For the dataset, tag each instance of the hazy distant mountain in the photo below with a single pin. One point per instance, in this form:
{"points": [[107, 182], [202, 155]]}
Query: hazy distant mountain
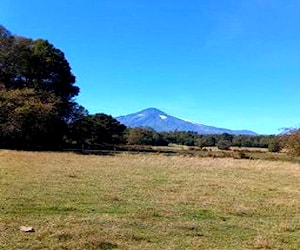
{"points": [[161, 121]]}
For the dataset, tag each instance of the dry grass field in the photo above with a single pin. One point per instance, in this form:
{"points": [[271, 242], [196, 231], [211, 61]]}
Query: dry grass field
{"points": [[147, 202]]}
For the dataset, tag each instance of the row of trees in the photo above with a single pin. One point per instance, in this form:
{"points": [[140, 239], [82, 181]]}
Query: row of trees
{"points": [[143, 136], [38, 110]]}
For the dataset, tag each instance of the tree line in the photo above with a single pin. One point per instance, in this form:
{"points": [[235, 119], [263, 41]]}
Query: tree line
{"points": [[146, 136], [38, 109]]}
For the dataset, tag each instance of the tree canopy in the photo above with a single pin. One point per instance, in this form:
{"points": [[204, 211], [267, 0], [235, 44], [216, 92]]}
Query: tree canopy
{"points": [[36, 64], [91, 131], [29, 119], [36, 92], [290, 141]]}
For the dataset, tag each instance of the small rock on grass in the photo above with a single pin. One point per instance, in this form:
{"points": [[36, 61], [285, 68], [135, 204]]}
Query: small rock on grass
{"points": [[27, 229]]}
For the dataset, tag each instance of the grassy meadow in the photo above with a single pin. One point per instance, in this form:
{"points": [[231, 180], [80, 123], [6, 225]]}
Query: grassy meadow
{"points": [[147, 201]]}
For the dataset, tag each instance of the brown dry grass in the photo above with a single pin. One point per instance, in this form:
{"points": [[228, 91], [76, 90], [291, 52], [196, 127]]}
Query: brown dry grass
{"points": [[147, 202]]}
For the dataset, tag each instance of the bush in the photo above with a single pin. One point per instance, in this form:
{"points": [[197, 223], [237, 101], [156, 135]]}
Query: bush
{"points": [[291, 141], [274, 146], [224, 144]]}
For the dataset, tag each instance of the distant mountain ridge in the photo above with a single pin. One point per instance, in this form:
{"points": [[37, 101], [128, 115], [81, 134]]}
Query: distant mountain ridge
{"points": [[162, 122]]}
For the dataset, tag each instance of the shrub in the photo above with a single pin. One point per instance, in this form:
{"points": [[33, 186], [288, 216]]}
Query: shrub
{"points": [[291, 141], [224, 144], [274, 146]]}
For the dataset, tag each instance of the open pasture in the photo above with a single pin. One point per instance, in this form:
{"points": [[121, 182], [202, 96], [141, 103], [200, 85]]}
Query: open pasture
{"points": [[148, 201]]}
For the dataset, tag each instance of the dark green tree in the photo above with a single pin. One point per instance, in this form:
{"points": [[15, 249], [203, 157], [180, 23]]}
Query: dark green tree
{"points": [[39, 77], [37, 64], [224, 144], [145, 136], [206, 141], [226, 137], [29, 120], [92, 131]]}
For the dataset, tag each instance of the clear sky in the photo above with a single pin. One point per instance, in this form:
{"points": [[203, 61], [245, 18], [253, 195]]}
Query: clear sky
{"points": [[226, 63]]}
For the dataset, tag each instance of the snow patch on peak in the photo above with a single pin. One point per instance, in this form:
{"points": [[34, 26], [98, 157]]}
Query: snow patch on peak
{"points": [[163, 117], [190, 121], [140, 115], [195, 123]]}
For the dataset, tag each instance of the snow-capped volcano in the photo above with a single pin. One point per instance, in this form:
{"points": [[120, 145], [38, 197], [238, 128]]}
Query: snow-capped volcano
{"points": [[160, 121]]}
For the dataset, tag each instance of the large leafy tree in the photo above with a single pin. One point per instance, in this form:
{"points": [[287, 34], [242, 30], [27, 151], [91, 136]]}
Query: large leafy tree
{"points": [[27, 63], [92, 131], [37, 91], [29, 119]]}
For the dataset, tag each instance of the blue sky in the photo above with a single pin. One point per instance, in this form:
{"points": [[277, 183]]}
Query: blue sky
{"points": [[227, 63]]}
